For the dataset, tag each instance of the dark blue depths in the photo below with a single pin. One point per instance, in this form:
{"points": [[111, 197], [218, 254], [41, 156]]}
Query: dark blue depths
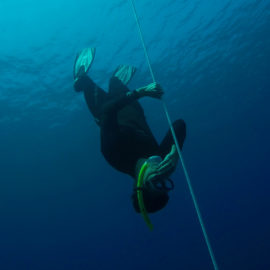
{"points": [[62, 206]]}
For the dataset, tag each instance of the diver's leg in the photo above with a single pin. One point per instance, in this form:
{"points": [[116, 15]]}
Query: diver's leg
{"points": [[95, 97], [120, 78], [117, 87], [180, 132], [82, 64]]}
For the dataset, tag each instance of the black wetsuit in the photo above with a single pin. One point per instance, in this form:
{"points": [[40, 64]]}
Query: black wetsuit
{"points": [[124, 132]]}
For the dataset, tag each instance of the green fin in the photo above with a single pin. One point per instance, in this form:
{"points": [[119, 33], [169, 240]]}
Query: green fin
{"points": [[124, 73], [83, 61]]}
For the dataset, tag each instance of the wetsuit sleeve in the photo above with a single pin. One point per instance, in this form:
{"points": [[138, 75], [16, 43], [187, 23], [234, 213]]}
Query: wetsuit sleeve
{"points": [[119, 102], [180, 132]]}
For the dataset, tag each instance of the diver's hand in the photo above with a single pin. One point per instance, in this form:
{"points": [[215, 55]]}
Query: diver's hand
{"points": [[163, 169], [153, 90], [168, 165]]}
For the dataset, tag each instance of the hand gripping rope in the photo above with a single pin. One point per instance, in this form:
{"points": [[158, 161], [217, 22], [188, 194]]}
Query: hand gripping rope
{"points": [[211, 253]]}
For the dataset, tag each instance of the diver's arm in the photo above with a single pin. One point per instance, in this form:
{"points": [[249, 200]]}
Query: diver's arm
{"points": [[153, 90]]}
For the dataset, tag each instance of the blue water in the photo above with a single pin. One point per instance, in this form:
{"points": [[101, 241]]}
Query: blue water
{"points": [[62, 206]]}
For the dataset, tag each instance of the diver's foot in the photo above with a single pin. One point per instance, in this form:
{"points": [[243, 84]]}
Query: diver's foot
{"points": [[82, 64], [79, 82], [124, 73]]}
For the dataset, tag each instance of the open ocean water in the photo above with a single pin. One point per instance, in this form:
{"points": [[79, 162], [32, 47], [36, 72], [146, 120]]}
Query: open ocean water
{"points": [[62, 206]]}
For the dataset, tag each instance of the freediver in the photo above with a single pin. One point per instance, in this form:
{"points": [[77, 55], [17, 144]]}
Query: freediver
{"points": [[127, 143]]}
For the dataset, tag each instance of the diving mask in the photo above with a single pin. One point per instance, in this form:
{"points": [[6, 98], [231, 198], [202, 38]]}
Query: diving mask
{"points": [[155, 181], [151, 181]]}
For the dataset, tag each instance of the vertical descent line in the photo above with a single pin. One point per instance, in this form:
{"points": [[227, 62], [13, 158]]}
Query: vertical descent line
{"points": [[211, 253]]}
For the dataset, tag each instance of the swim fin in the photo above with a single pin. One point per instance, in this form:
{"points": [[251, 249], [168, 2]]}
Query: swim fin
{"points": [[124, 73], [83, 62]]}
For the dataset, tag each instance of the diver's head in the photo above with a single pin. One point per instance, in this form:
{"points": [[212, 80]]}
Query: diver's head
{"points": [[153, 200], [152, 187]]}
